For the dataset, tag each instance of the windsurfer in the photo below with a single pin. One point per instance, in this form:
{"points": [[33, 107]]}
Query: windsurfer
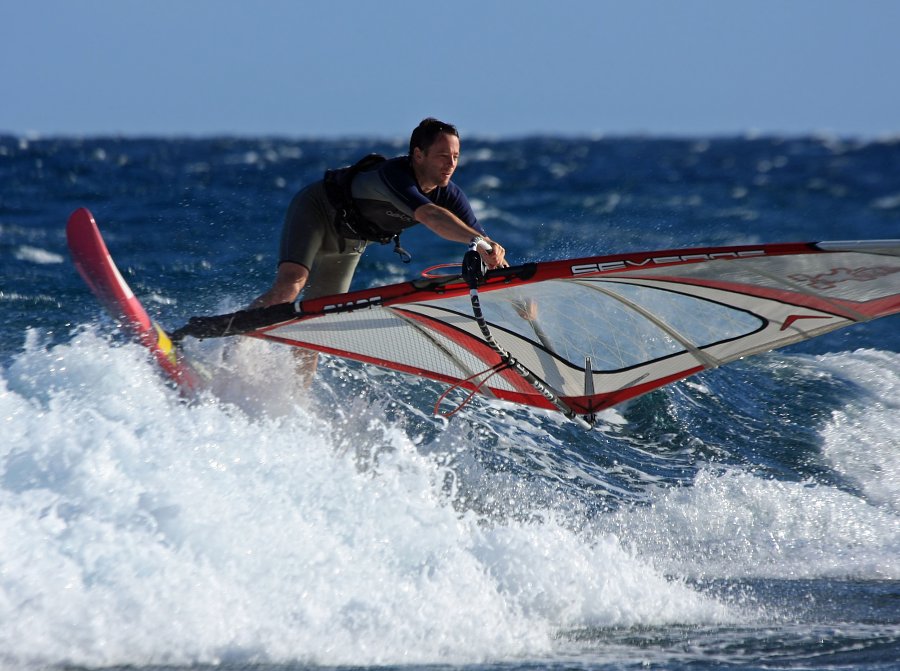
{"points": [[319, 251]]}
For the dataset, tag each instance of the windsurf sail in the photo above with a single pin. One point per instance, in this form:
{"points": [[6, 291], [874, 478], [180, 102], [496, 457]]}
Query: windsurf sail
{"points": [[594, 331]]}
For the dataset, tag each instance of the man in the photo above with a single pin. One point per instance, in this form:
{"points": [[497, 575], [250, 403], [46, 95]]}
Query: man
{"points": [[325, 232]]}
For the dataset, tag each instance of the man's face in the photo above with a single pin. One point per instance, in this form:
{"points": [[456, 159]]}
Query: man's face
{"points": [[437, 164]]}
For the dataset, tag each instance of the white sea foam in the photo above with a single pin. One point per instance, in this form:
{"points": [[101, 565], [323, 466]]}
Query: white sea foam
{"points": [[487, 182], [37, 255], [890, 202], [735, 524], [862, 440], [136, 528], [732, 524]]}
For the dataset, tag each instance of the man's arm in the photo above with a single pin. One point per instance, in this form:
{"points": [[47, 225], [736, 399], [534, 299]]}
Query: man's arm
{"points": [[450, 227], [289, 282]]}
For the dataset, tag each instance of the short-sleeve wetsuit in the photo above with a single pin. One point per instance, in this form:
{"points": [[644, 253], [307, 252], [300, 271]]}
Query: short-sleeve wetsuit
{"points": [[387, 196]]}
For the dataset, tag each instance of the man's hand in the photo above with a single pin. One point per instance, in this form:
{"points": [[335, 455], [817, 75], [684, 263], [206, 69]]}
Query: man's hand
{"points": [[496, 258]]}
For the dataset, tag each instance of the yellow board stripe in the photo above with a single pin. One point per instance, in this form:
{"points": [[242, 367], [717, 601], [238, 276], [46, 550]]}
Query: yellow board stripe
{"points": [[165, 344]]}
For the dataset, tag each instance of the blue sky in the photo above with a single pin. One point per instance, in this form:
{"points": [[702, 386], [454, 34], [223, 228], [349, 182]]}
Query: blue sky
{"points": [[495, 68]]}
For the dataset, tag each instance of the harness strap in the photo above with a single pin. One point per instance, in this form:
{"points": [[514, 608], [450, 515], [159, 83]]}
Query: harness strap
{"points": [[405, 256]]}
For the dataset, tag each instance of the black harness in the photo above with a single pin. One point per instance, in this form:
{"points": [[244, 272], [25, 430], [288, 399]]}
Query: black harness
{"points": [[348, 220]]}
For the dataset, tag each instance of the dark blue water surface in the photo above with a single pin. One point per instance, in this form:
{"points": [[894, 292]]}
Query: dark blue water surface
{"points": [[746, 518]]}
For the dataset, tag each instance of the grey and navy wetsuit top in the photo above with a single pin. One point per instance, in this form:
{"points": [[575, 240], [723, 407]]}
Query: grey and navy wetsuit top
{"points": [[389, 195]]}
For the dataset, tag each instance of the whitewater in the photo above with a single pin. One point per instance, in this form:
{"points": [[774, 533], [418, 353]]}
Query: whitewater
{"points": [[137, 526]]}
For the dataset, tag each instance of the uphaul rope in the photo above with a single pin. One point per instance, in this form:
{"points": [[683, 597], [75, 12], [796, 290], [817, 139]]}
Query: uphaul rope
{"points": [[473, 272]]}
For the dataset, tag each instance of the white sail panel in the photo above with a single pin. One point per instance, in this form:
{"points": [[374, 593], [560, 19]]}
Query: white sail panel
{"points": [[850, 276], [384, 336]]}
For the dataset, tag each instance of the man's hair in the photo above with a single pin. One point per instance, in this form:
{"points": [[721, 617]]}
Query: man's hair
{"points": [[424, 135]]}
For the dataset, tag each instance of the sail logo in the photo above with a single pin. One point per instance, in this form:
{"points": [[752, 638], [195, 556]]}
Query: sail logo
{"points": [[836, 276], [626, 264]]}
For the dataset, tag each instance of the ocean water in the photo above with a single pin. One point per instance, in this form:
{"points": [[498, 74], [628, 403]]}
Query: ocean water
{"points": [[748, 517]]}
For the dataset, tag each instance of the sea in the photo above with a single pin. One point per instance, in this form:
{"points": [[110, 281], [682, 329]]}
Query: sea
{"points": [[745, 518]]}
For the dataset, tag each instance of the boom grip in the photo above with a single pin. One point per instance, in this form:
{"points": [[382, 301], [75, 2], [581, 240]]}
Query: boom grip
{"points": [[235, 323]]}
